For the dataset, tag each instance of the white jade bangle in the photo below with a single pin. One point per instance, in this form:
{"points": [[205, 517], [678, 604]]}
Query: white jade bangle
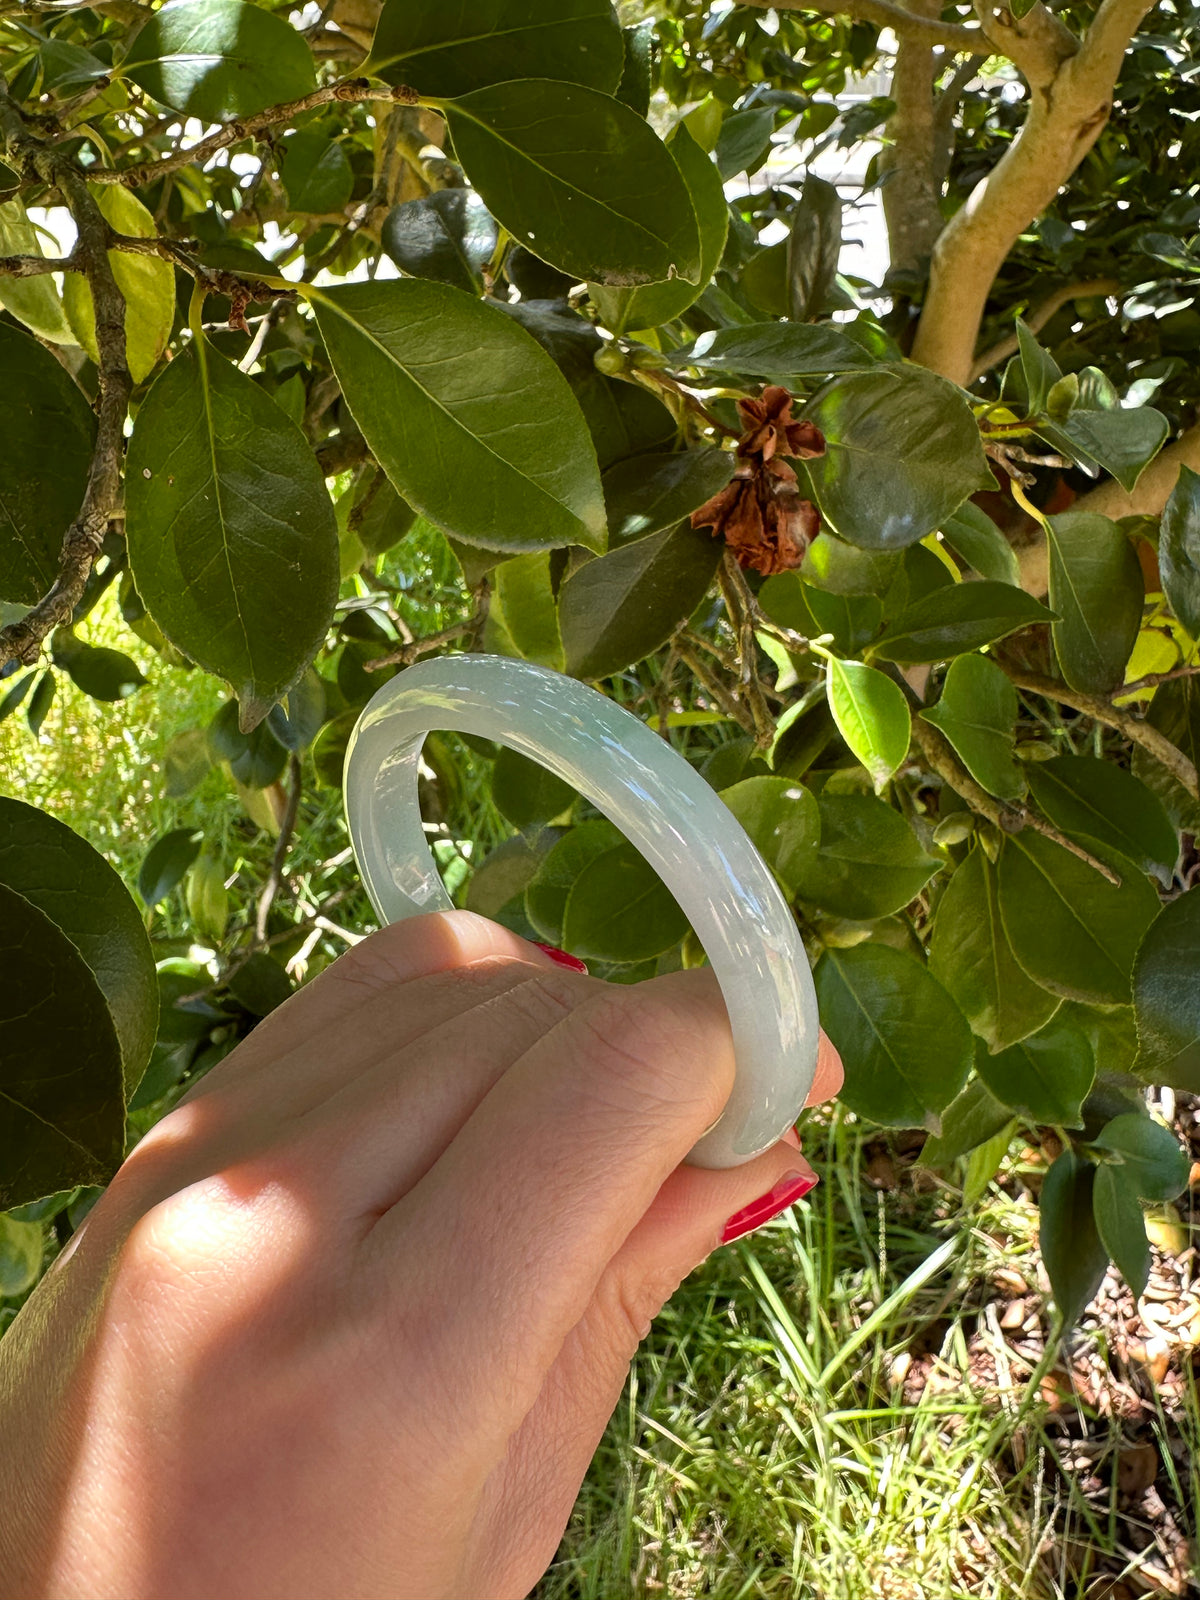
{"points": [[659, 802]]}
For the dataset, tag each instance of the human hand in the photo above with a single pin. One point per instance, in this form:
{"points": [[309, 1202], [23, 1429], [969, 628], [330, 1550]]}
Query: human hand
{"points": [[351, 1319]]}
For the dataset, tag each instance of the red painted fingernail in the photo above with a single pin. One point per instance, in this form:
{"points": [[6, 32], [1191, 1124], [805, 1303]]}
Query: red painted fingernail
{"points": [[561, 956], [791, 1187]]}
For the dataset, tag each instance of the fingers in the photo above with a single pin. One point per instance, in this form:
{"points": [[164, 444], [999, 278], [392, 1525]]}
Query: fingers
{"points": [[828, 1079]]}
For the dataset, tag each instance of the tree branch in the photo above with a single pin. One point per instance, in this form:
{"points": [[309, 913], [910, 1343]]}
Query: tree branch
{"points": [[286, 828], [37, 266], [1085, 289], [909, 191], [22, 640], [352, 90], [885, 14]]}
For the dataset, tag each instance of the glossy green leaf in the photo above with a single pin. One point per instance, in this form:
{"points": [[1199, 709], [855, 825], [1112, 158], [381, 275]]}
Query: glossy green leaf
{"points": [[259, 984], [525, 793], [1179, 550], [219, 59], [1119, 441], [870, 862], [1072, 931], [34, 301], [386, 519], [256, 759], [547, 891], [298, 717], [62, 1112], [1122, 1226], [652, 304], [646, 494], [881, 1007], [977, 539], [22, 1245], [165, 863], [100, 672], [902, 454], [971, 955], [617, 609], [744, 140], [851, 620], [499, 881], [960, 617], [1072, 1251], [619, 910], [449, 47], [49, 431], [1166, 996], [977, 712], [872, 716], [146, 282], [1047, 1075], [60, 874], [1086, 797], [448, 236], [635, 85], [776, 352], [207, 897], [1175, 712], [838, 568], [186, 761], [468, 417], [232, 537], [1096, 586], [781, 818], [1150, 1157], [40, 702], [1040, 370], [813, 248], [523, 598], [14, 697], [579, 180], [315, 172], [973, 1118]]}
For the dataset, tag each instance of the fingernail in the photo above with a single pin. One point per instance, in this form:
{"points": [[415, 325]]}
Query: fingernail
{"points": [[791, 1187], [561, 956], [791, 1137]]}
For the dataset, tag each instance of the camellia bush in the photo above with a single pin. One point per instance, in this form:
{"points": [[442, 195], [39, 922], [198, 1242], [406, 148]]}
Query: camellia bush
{"points": [[555, 302]]}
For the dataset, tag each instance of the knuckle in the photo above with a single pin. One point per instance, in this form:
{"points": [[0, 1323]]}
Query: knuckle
{"points": [[631, 1303], [648, 1046]]}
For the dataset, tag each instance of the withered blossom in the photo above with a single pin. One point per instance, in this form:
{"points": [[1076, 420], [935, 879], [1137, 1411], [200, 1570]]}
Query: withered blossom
{"points": [[761, 514]]}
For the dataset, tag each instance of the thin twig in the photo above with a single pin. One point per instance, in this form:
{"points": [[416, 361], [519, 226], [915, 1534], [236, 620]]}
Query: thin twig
{"points": [[286, 828], [1153, 679], [734, 590], [37, 266], [714, 688]]}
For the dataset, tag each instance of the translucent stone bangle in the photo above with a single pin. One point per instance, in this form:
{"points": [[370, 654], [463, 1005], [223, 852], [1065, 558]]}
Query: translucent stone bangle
{"points": [[663, 807]]}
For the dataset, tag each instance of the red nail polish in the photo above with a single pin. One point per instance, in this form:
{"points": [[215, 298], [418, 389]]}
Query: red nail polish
{"points": [[561, 956], [791, 1187]]}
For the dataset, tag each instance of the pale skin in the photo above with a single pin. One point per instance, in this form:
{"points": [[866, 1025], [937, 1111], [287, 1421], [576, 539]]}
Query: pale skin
{"points": [[351, 1320]]}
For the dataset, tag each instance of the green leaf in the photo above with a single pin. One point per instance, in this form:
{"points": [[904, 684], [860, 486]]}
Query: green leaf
{"points": [[957, 618], [655, 303], [1175, 712], [468, 418], [902, 454], [298, 717], [256, 759], [744, 140], [977, 712], [1096, 586], [881, 1007], [166, 862], [1040, 369], [1046, 1076], [1149, 1156], [1072, 1251], [49, 432], [448, 236], [207, 897], [449, 49], [10, 182], [259, 984], [525, 793], [579, 180], [983, 1165], [56, 871], [315, 172], [1179, 550], [386, 520], [872, 717], [62, 1113], [1086, 797], [329, 749], [619, 608], [523, 597], [232, 537], [852, 620], [776, 351], [973, 1118], [146, 282], [547, 891], [102, 673], [219, 59], [647, 493], [40, 702], [34, 301], [1122, 1227], [1071, 930], [977, 539], [500, 880], [22, 1245], [781, 818], [186, 762], [634, 87], [971, 955], [839, 568], [870, 862], [1120, 441], [619, 910], [1166, 996], [15, 697], [814, 246]]}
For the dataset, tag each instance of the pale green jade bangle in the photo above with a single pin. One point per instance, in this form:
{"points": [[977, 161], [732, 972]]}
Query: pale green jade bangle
{"points": [[691, 839]]}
